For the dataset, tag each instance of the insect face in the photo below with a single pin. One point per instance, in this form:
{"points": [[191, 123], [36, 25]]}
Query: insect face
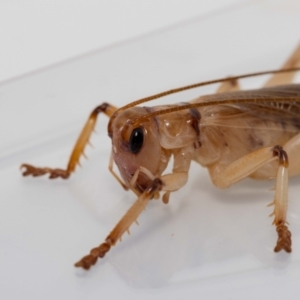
{"points": [[135, 146]]}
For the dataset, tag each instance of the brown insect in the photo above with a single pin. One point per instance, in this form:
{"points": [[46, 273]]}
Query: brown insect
{"points": [[234, 134]]}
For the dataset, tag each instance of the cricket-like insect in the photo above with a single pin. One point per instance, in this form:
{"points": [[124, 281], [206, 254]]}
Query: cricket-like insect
{"points": [[235, 134]]}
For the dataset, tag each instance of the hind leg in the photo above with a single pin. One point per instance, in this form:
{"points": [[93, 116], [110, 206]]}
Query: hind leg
{"points": [[276, 79], [285, 78]]}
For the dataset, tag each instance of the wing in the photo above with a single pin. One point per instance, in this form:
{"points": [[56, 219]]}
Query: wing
{"points": [[267, 106]]}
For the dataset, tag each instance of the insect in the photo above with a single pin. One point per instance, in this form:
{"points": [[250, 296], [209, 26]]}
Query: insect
{"points": [[234, 134]]}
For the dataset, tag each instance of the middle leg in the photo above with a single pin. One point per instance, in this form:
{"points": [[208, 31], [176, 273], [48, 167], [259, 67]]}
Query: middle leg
{"points": [[225, 176]]}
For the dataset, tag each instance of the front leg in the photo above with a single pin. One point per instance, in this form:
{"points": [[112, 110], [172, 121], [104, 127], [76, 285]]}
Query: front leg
{"points": [[168, 183], [245, 166], [131, 216], [78, 149]]}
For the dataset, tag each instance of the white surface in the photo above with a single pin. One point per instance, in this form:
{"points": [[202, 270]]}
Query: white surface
{"points": [[35, 34], [206, 243]]}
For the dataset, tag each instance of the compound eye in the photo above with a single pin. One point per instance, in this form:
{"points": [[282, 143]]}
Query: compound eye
{"points": [[136, 140]]}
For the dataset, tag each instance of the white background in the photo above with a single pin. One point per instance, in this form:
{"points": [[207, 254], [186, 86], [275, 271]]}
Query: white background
{"points": [[35, 34], [207, 243]]}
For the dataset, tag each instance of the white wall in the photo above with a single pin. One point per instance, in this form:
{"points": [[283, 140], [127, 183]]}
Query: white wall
{"points": [[35, 34]]}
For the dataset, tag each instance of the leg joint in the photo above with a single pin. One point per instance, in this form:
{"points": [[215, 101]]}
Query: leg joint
{"points": [[101, 108], [282, 156], [155, 186]]}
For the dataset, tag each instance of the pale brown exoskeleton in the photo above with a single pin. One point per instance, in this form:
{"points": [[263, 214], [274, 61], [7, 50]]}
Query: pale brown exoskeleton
{"points": [[234, 134]]}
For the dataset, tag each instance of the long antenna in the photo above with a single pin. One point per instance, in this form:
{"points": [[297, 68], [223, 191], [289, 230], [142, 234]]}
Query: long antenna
{"points": [[212, 103], [192, 86]]}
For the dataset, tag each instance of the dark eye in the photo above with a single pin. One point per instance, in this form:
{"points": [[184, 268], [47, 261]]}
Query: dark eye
{"points": [[136, 140]]}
